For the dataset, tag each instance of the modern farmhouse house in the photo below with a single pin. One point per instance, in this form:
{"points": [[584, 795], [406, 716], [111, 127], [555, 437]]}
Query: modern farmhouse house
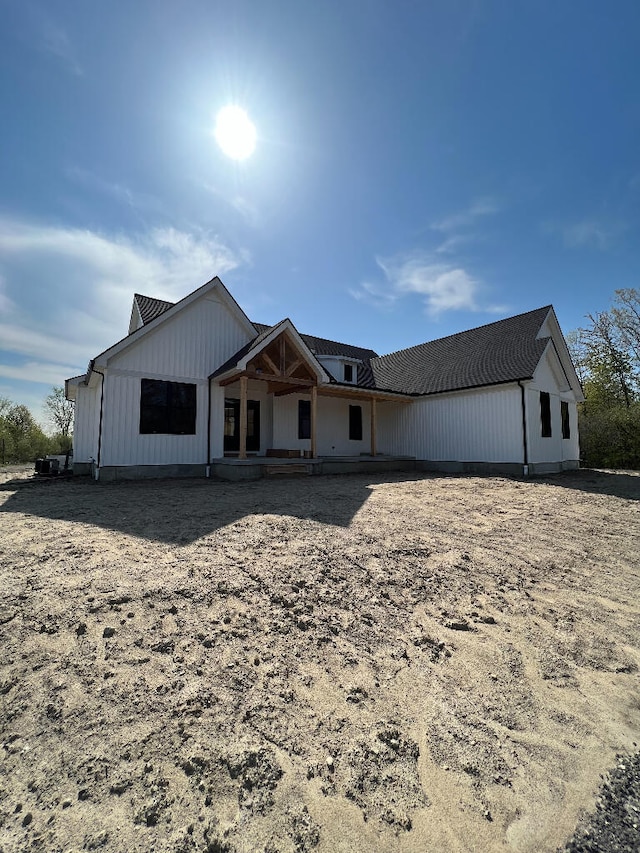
{"points": [[196, 388]]}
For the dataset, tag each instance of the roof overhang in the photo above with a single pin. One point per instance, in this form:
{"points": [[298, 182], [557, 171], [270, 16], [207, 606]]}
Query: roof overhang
{"points": [[358, 392], [551, 329], [288, 330], [71, 386], [214, 285]]}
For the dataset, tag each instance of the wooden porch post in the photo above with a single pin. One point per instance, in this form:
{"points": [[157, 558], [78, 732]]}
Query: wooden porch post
{"points": [[373, 426], [314, 419], [243, 418]]}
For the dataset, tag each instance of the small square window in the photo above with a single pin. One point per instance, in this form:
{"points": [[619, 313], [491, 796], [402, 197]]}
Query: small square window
{"points": [[348, 373]]}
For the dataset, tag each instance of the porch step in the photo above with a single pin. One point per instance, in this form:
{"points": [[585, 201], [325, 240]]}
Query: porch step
{"points": [[288, 470]]}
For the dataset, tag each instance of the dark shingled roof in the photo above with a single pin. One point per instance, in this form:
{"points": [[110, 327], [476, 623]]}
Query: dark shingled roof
{"points": [[322, 346], [151, 308], [504, 351], [235, 358]]}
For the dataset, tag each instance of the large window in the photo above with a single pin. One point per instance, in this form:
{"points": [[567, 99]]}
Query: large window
{"points": [[545, 414], [355, 423], [564, 414], [304, 418], [167, 407]]}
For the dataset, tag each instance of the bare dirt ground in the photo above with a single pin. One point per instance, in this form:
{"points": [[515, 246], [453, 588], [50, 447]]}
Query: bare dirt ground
{"points": [[403, 663]]}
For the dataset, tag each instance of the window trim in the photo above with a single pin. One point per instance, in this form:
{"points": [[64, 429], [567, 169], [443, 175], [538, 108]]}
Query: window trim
{"points": [[546, 429], [168, 414]]}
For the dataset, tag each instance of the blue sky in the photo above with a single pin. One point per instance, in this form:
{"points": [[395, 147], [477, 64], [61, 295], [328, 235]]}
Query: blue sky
{"points": [[421, 167]]}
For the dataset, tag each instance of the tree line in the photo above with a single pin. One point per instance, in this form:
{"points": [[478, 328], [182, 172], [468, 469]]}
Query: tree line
{"points": [[22, 439], [606, 354]]}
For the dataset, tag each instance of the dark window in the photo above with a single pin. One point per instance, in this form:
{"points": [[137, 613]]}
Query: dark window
{"points": [[304, 418], [232, 425], [355, 423], [167, 407], [545, 414], [348, 373], [566, 425]]}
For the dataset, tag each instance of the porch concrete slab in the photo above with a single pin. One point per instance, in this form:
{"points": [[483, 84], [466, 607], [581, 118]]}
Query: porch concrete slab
{"points": [[232, 468], [366, 464]]}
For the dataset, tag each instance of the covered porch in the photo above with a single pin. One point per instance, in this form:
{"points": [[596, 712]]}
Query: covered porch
{"points": [[283, 413]]}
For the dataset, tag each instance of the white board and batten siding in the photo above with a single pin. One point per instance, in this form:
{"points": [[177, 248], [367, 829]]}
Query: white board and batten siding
{"points": [[86, 423], [188, 349], [332, 423], [196, 341], [549, 377], [483, 425]]}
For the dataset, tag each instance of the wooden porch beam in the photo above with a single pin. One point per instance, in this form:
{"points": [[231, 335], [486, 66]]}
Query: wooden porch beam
{"points": [[293, 367], [282, 392], [270, 364], [314, 420], [299, 384], [243, 418], [230, 380]]}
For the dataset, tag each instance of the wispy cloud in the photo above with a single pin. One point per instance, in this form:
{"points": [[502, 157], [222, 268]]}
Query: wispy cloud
{"points": [[248, 211], [455, 242], [442, 286], [463, 227], [119, 192], [439, 277], [466, 218], [70, 290], [6, 304], [586, 233], [54, 39], [37, 371]]}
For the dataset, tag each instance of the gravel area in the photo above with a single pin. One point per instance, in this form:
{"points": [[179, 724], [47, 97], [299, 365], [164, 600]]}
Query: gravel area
{"points": [[614, 825]]}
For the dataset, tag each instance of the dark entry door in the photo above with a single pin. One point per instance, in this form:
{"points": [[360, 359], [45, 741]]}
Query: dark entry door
{"points": [[232, 425]]}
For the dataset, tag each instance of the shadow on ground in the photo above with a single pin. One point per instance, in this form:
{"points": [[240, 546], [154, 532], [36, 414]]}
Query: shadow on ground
{"points": [[183, 511], [618, 484]]}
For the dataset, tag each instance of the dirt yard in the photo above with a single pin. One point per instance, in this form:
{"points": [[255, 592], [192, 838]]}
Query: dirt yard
{"points": [[403, 663]]}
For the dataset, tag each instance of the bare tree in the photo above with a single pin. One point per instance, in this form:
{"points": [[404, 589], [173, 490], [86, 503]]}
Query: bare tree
{"points": [[60, 411], [626, 315], [609, 360]]}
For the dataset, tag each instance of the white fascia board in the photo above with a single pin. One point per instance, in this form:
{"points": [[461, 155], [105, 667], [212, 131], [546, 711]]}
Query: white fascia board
{"points": [[286, 326], [551, 328], [215, 284], [556, 367], [368, 393], [71, 386], [136, 317], [510, 385]]}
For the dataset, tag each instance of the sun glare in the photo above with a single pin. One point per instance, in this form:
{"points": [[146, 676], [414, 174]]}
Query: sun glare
{"points": [[235, 133]]}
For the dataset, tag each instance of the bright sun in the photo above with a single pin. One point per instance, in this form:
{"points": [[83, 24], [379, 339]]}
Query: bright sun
{"points": [[235, 133]]}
